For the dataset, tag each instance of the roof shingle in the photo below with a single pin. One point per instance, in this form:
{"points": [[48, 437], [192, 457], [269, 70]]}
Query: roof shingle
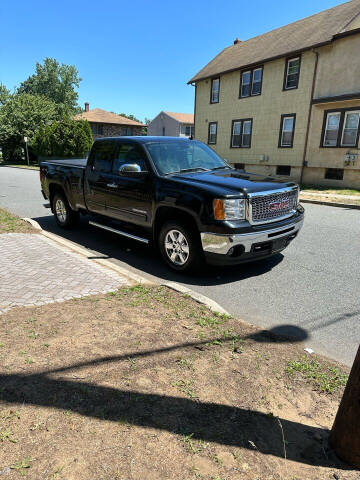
{"points": [[309, 32], [102, 116], [182, 117]]}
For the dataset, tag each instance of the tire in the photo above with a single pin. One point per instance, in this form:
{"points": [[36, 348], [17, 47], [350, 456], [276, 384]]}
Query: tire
{"points": [[65, 217], [180, 248]]}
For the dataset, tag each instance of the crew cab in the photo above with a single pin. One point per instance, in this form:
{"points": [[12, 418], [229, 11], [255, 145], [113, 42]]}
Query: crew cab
{"points": [[178, 195]]}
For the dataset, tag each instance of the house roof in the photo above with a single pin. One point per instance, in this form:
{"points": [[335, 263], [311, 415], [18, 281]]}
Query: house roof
{"points": [[102, 116], [182, 117], [309, 32]]}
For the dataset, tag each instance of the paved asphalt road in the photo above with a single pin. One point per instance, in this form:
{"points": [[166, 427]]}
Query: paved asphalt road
{"points": [[312, 289]]}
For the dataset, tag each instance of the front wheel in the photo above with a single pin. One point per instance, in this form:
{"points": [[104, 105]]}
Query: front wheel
{"points": [[180, 247], [65, 217]]}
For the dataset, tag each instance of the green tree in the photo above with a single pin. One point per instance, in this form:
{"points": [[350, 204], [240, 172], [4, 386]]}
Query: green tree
{"points": [[130, 117], [55, 82], [63, 138], [4, 94], [22, 115]]}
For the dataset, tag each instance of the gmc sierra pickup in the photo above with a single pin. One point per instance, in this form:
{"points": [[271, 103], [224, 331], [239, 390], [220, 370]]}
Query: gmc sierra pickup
{"points": [[177, 194]]}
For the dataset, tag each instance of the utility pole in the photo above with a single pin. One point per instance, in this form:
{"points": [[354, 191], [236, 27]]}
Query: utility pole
{"points": [[345, 434], [26, 149]]}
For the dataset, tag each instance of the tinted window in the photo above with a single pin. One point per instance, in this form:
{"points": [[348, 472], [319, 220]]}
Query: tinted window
{"points": [[175, 156], [129, 153], [102, 156]]}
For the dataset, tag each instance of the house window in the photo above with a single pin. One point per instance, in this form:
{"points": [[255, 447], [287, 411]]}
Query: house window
{"points": [[332, 129], [241, 133], [126, 131], [292, 73], [287, 129], [239, 166], [97, 128], [212, 133], [188, 131], [251, 82], [351, 129], [215, 90], [163, 131], [334, 173], [341, 128], [283, 170]]}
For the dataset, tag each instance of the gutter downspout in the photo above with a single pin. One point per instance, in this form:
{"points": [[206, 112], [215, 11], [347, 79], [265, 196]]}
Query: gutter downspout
{"points": [[194, 85], [304, 162]]}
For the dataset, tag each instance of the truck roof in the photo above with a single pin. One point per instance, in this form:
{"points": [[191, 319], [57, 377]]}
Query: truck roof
{"points": [[144, 139]]}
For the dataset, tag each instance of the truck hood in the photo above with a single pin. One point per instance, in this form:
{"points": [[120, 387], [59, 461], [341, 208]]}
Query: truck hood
{"points": [[233, 181]]}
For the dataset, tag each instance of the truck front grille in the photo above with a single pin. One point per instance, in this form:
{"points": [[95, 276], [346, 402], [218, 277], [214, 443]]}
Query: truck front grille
{"points": [[269, 207]]}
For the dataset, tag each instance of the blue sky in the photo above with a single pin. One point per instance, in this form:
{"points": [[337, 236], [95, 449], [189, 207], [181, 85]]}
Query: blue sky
{"points": [[134, 56]]}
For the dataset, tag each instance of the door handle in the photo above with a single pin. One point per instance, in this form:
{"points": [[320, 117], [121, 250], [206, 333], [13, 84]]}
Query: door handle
{"points": [[112, 185]]}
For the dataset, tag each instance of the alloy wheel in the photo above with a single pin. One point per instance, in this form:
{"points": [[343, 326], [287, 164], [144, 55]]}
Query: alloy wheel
{"points": [[177, 247]]}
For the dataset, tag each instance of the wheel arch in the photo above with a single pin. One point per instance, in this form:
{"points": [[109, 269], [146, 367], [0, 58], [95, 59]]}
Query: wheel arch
{"points": [[167, 213]]}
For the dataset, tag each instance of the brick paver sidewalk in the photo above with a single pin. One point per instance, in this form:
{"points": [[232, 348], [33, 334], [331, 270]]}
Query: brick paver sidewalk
{"points": [[34, 271]]}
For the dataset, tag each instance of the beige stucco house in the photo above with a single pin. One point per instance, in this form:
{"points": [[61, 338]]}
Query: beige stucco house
{"points": [[172, 124], [109, 124], [288, 102]]}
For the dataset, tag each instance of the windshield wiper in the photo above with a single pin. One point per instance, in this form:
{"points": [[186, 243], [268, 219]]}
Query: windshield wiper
{"points": [[220, 168], [184, 170]]}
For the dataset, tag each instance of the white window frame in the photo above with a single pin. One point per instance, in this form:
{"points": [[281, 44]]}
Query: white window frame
{"points": [[215, 91], [212, 124], [346, 113], [242, 123], [284, 118], [243, 84], [252, 81], [326, 128], [289, 60]]}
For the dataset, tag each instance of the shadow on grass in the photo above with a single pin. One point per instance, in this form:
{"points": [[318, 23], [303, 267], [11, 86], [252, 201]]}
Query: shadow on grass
{"points": [[211, 422]]}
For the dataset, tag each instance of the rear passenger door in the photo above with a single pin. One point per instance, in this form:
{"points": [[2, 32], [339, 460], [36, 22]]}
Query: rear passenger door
{"points": [[98, 175]]}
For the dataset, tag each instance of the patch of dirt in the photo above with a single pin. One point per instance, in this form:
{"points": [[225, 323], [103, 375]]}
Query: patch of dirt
{"points": [[10, 223], [147, 384]]}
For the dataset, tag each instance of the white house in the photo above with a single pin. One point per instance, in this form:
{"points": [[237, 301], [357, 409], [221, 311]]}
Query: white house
{"points": [[171, 124]]}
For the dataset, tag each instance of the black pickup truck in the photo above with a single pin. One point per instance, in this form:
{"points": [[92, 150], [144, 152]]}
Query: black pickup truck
{"points": [[177, 194]]}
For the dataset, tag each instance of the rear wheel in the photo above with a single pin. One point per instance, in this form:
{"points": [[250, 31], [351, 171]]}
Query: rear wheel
{"points": [[180, 247], [65, 217]]}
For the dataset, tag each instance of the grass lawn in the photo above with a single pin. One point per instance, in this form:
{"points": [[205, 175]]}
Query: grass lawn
{"points": [[10, 223], [147, 384], [332, 190], [19, 165]]}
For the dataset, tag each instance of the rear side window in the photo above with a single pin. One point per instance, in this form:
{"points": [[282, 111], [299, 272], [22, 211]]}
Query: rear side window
{"points": [[102, 156], [129, 153]]}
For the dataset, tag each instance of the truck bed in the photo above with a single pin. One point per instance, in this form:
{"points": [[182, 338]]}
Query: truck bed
{"points": [[73, 162]]}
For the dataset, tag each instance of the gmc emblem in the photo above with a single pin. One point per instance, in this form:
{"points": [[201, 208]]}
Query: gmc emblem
{"points": [[281, 205]]}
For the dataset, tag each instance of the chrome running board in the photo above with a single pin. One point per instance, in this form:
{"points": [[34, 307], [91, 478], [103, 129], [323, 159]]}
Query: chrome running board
{"points": [[119, 232]]}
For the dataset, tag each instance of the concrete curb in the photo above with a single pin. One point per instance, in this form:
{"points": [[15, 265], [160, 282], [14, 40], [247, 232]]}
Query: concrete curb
{"points": [[331, 204], [89, 255], [21, 168], [198, 297]]}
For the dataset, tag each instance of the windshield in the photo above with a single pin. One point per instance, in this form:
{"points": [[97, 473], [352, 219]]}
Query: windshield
{"points": [[177, 156]]}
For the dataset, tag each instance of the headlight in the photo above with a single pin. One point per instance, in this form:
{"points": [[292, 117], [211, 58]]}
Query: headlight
{"points": [[233, 209]]}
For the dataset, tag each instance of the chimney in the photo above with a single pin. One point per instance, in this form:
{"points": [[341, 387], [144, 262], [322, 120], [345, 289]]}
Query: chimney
{"points": [[86, 106], [236, 41]]}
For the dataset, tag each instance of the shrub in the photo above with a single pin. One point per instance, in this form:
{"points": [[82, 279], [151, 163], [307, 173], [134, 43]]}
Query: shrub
{"points": [[64, 138]]}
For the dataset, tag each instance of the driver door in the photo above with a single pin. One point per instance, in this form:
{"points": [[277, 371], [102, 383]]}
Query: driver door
{"points": [[130, 197]]}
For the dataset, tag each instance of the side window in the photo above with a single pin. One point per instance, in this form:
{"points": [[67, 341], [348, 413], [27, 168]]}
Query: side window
{"points": [[292, 73], [102, 156], [129, 153]]}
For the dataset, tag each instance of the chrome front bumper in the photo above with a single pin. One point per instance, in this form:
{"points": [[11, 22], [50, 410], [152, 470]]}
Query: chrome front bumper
{"points": [[221, 244]]}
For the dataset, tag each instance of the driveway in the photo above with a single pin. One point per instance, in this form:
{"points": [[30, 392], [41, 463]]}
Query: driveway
{"points": [[314, 285]]}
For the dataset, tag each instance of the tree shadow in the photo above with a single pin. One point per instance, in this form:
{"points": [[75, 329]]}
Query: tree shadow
{"points": [[208, 421]]}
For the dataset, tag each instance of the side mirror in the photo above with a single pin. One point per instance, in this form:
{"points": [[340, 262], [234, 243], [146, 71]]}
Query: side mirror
{"points": [[131, 169]]}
